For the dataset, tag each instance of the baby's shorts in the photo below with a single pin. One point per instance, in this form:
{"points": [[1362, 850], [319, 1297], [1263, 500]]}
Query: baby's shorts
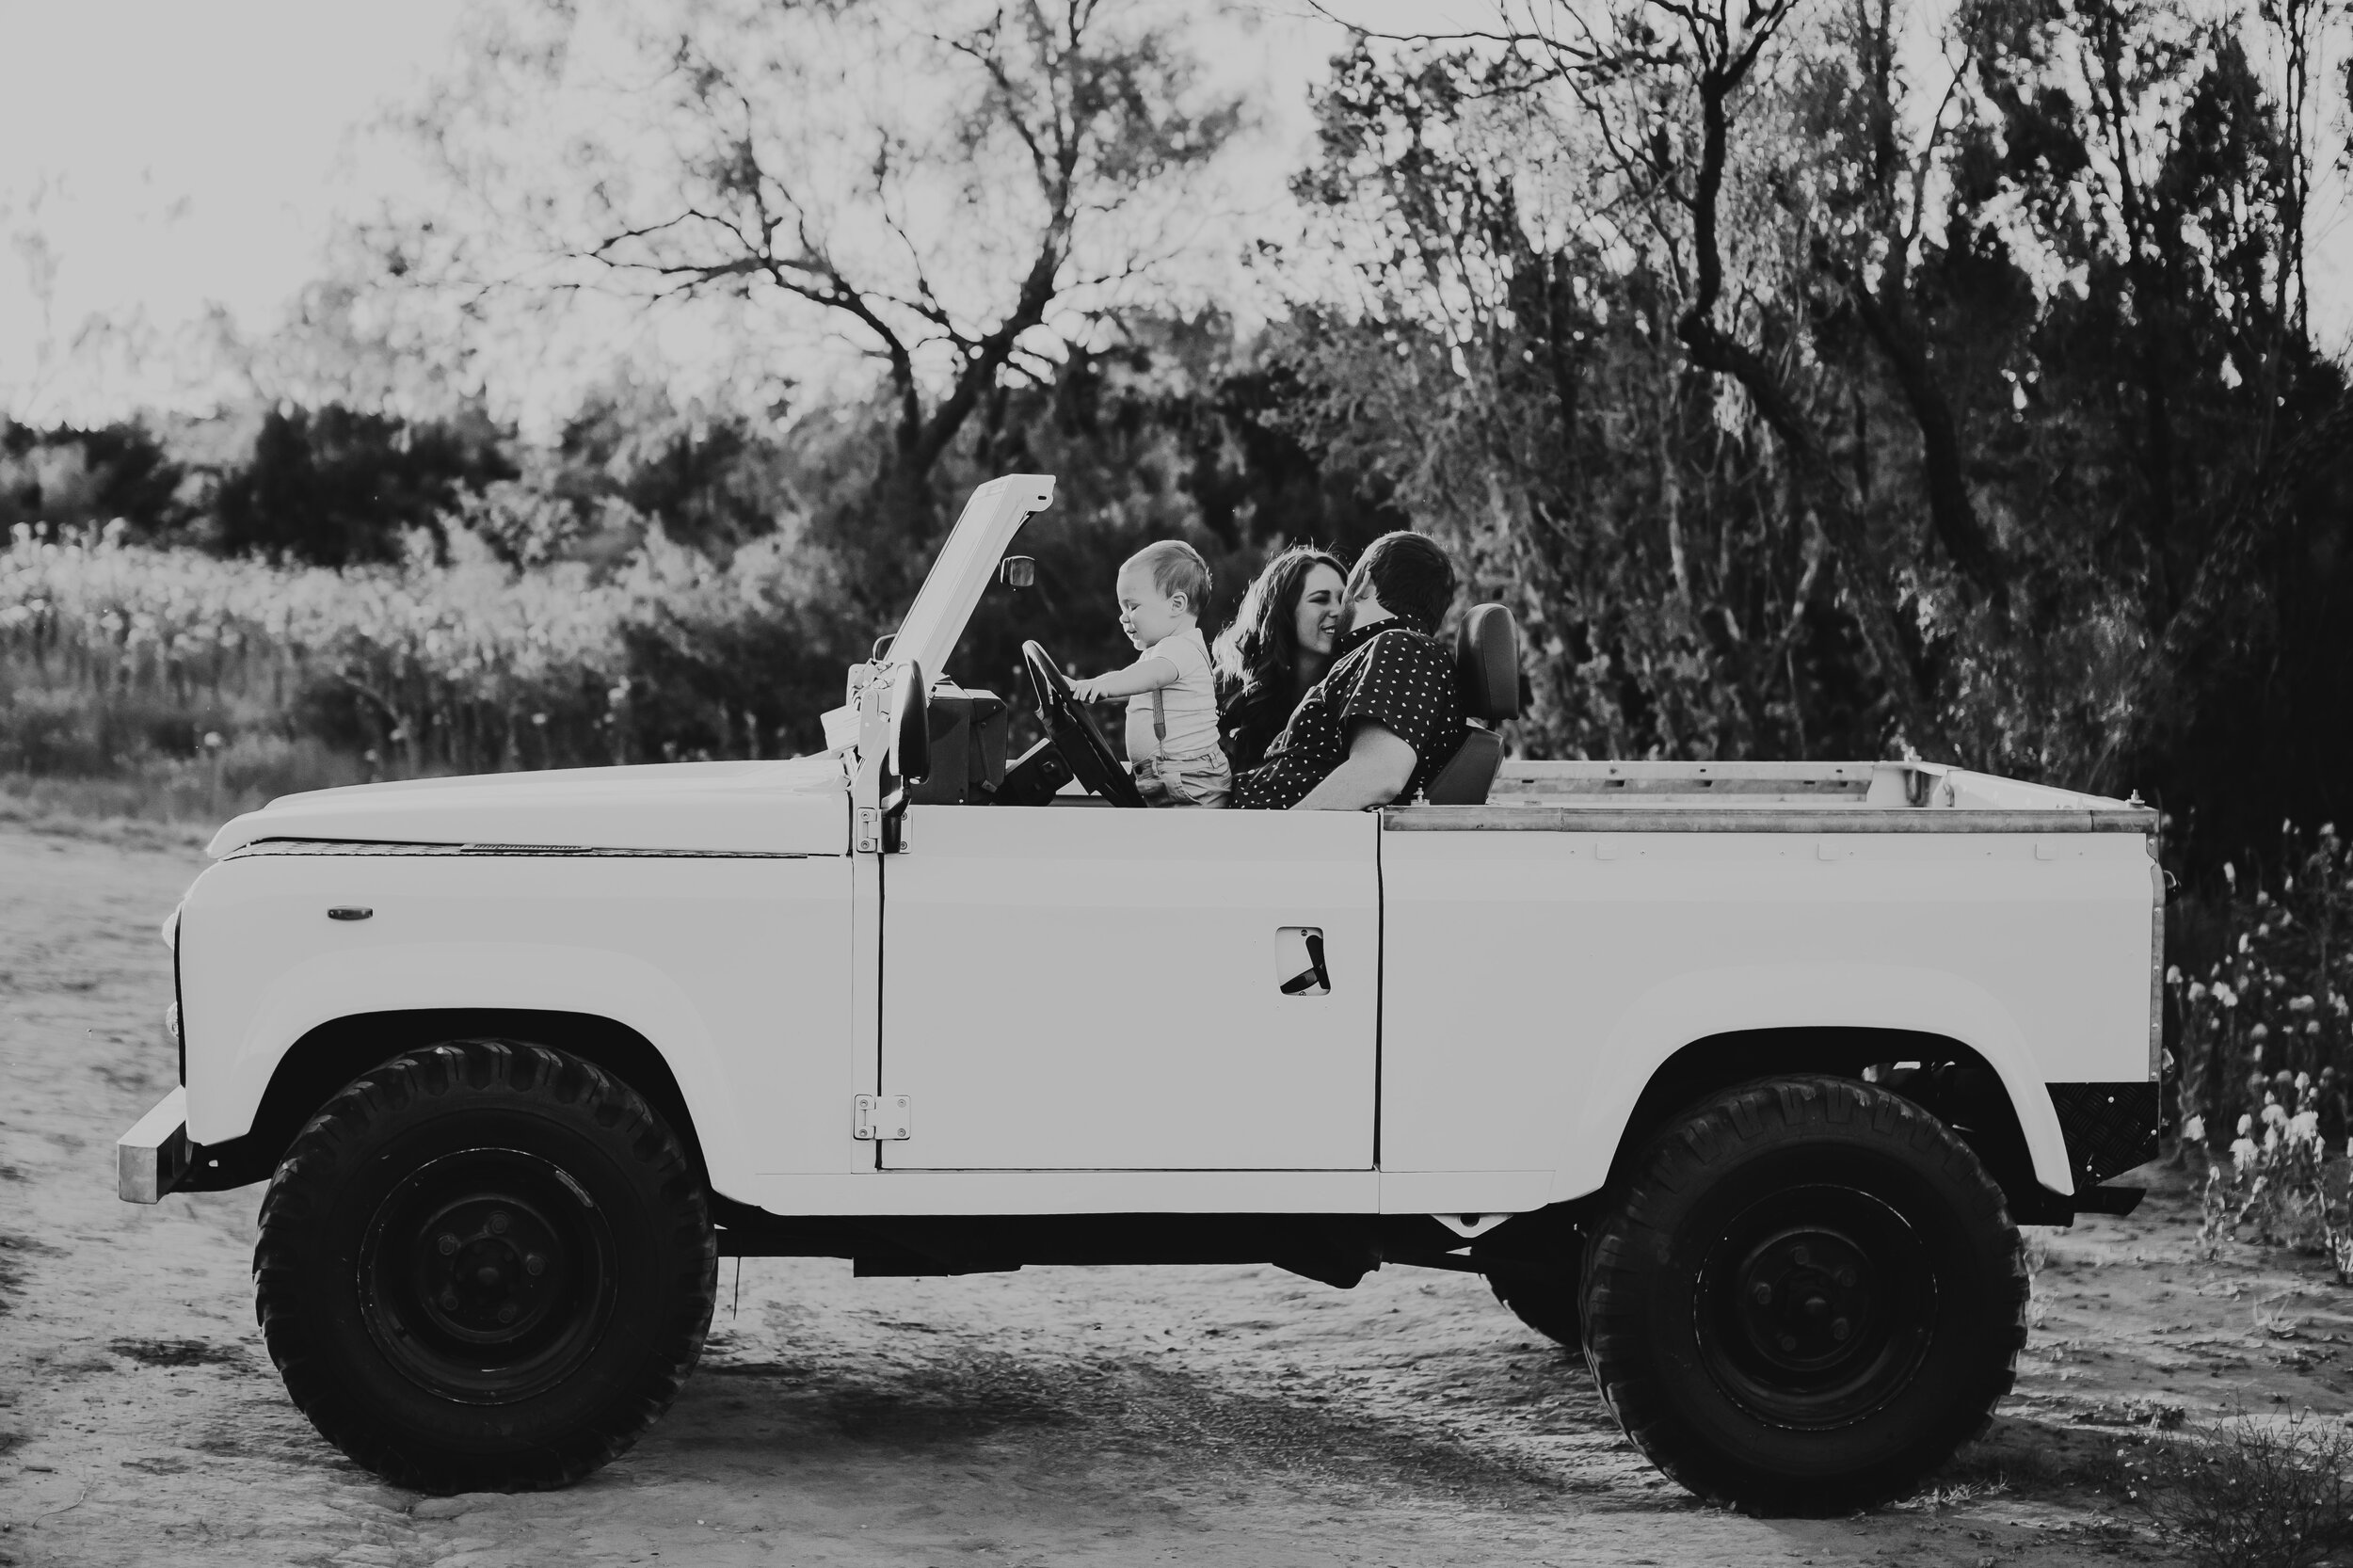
{"points": [[1188, 778]]}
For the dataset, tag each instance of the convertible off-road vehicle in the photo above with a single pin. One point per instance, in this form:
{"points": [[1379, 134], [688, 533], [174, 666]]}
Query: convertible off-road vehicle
{"points": [[1734, 1077]]}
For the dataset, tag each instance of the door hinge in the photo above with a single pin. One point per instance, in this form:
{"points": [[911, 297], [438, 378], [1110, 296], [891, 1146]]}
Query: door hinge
{"points": [[869, 838], [881, 1116]]}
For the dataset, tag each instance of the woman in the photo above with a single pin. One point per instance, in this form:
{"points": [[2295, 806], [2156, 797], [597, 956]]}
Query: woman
{"points": [[1279, 644]]}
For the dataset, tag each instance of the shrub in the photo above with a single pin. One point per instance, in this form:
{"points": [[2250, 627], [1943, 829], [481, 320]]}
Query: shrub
{"points": [[2284, 1186], [2254, 1494]]}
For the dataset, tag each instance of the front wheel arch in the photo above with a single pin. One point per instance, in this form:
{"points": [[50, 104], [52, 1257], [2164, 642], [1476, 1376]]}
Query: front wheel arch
{"points": [[317, 1067]]}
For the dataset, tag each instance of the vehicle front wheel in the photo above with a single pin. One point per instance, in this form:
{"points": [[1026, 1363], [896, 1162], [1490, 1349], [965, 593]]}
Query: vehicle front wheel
{"points": [[485, 1266], [1810, 1296]]}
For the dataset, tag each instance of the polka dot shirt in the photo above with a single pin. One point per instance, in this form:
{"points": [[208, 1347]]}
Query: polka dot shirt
{"points": [[1386, 674]]}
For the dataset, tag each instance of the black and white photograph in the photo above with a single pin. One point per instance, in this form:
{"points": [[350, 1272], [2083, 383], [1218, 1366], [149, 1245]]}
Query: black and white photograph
{"points": [[1099, 783]]}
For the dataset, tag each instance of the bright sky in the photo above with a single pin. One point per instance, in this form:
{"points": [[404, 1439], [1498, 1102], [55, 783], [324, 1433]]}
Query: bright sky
{"points": [[161, 159], [165, 167]]}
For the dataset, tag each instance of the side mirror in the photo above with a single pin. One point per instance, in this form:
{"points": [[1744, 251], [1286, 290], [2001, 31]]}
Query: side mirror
{"points": [[911, 725], [1017, 571]]}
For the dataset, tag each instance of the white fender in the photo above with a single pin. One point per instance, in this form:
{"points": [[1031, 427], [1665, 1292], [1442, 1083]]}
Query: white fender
{"points": [[511, 975], [1693, 1005]]}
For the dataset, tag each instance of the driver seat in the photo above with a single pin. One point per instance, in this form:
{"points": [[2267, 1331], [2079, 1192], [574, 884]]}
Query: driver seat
{"points": [[1488, 677]]}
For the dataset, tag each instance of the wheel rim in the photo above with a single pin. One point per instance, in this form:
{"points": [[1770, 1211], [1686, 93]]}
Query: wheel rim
{"points": [[1815, 1307], [486, 1275]]}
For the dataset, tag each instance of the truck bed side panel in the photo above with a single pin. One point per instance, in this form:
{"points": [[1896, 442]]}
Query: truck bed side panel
{"points": [[1535, 981]]}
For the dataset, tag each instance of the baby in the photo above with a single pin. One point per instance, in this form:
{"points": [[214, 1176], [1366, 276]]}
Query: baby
{"points": [[1172, 700]]}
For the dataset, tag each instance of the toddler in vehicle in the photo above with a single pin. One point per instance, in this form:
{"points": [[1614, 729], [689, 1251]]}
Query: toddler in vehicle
{"points": [[1171, 698]]}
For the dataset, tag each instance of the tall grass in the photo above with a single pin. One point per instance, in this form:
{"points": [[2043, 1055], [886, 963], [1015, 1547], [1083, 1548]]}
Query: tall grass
{"points": [[206, 682]]}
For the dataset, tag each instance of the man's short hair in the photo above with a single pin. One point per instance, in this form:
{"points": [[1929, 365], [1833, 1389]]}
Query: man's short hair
{"points": [[1177, 568], [1412, 576]]}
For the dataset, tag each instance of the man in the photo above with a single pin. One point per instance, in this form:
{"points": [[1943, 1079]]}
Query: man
{"points": [[1386, 716]]}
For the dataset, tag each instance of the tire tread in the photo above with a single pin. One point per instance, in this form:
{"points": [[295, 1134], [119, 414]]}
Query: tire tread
{"points": [[319, 1156], [1630, 1240]]}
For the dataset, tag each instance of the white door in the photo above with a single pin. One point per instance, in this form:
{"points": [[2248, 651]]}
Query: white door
{"points": [[1079, 987]]}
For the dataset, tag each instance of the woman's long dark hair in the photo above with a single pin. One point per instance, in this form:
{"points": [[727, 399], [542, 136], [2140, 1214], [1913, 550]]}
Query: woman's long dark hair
{"points": [[1257, 656]]}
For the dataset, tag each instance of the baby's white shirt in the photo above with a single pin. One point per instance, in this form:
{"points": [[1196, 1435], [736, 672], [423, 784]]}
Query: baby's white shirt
{"points": [[1188, 703]]}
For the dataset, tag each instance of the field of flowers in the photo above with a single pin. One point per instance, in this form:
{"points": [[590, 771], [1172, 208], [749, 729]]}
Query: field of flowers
{"points": [[2261, 1066], [216, 681]]}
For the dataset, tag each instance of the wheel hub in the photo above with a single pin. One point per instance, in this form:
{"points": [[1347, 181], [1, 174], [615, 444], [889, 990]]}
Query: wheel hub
{"points": [[487, 1275], [491, 1267], [1816, 1306], [1808, 1298]]}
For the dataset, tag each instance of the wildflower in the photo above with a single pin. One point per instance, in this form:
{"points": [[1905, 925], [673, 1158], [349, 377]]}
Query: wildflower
{"points": [[2300, 1004], [2194, 1130], [2224, 995], [2172, 974], [2304, 1128], [2197, 990], [2260, 1033], [2275, 1114], [2243, 1151]]}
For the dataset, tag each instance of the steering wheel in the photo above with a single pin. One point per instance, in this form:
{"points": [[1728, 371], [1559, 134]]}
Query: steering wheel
{"points": [[1072, 729]]}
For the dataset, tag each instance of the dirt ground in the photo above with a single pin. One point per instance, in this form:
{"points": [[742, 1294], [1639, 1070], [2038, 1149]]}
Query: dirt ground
{"points": [[1229, 1416]]}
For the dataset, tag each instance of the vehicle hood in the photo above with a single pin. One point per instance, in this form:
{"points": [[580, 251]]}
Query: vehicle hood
{"points": [[801, 806]]}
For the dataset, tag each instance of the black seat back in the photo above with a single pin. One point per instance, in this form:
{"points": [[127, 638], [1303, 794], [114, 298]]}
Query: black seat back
{"points": [[1487, 676]]}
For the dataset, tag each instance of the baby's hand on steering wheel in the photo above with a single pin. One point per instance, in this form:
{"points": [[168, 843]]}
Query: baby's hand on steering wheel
{"points": [[1083, 690]]}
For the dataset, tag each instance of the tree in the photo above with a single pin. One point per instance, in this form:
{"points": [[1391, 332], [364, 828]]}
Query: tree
{"points": [[2026, 348], [955, 191]]}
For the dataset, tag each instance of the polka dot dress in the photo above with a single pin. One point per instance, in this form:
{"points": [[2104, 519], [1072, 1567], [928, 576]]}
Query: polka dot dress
{"points": [[1384, 674]]}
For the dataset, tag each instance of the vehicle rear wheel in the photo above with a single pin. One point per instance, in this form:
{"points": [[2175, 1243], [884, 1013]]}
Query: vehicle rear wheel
{"points": [[485, 1266], [1810, 1296]]}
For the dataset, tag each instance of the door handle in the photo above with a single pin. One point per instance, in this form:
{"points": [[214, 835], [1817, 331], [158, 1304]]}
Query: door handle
{"points": [[1315, 980]]}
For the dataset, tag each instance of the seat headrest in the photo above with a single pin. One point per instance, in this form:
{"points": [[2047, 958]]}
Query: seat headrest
{"points": [[1487, 663]]}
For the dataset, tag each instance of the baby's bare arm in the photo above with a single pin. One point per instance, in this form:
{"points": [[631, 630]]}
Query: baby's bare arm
{"points": [[1148, 675]]}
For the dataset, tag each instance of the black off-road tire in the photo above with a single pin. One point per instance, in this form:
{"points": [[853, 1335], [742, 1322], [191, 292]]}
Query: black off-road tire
{"points": [[485, 1266], [1811, 1294]]}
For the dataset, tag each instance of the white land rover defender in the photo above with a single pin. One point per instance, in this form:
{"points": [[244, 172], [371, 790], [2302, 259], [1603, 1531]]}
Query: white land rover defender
{"points": [[1736, 1077]]}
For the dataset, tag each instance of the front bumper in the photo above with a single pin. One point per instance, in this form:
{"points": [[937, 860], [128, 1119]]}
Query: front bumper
{"points": [[152, 1158]]}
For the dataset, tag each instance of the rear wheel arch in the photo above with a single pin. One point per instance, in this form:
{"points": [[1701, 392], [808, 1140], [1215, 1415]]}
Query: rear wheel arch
{"points": [[1950, 1080], [317, 1067]]}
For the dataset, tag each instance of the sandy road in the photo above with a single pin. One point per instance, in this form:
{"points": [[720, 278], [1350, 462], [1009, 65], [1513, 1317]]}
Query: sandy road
{"points": [[1229, 1416]]}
